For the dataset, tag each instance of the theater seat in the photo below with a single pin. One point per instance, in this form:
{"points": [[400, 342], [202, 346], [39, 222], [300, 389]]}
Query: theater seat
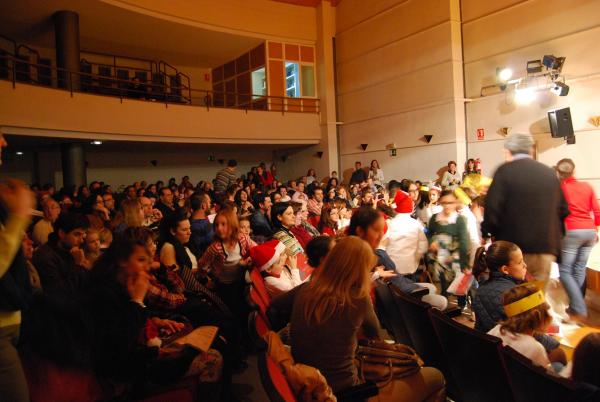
{"points": [[534, 383], [259, 283], [475, 360], [389, 316], [415, 315], [257, 302]]}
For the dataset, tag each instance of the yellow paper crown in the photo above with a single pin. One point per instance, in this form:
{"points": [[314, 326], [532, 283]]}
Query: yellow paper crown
{"points": [[525, 304], [462, 196], [424, 188]]}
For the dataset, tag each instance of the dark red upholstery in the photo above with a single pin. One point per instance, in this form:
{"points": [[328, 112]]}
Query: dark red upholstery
{"points": [[273, 380], [259, 283]]}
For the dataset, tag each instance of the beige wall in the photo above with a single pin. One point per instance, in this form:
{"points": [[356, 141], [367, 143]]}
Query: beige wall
{"points": [[399, 70], [53, 112], [509, 33]]}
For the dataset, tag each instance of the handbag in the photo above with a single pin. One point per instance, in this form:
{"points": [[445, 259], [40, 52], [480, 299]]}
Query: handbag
{"points": [[382, 362]]}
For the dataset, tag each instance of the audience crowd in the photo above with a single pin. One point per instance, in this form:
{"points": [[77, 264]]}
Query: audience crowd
{"points": [[104, 280]]}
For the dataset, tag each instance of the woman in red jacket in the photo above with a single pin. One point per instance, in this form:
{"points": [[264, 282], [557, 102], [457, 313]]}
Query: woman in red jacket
{"points": [[582, 234]]}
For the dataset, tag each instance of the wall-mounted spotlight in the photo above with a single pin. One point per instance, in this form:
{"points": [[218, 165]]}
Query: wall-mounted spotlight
{"points": [[426, 138], [503, 74], [154, 162], [525, 93], [552, 62], [534, 66], [319, 154], [364, 146], [284, 158], [504, 131], [560, 89], [221, 161], [595, 120], [96, 142]]}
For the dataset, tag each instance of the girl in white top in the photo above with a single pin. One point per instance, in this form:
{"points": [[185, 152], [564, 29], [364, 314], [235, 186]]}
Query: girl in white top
{"points": [[279, 270], [432, 205], [376, 173], [527, 313]]}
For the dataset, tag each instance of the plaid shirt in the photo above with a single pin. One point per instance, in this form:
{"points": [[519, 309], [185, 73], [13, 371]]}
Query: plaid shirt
{"points": [[163, 297], [213, 258]]}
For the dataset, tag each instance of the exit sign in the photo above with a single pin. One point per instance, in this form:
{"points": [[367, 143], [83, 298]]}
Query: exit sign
{"points": [[480, 134]]}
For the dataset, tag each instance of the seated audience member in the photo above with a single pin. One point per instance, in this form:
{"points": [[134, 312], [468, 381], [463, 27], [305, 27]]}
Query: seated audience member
{"points": [[315, 202], [95, 212], [330, 217], [43, 227], [429, 204], [61, 262], [265, 177], [283, 191], [586, 359], [504, 261], [344, 212], [527, 314], [166, 203], [311, 176], [202, 228], [244, 205], [106, 237], [302, 229], [126, 346], [245, 227], [277, 268], [259, 221], [283, 219], [152, 216], [131, 214], [34, 276], [174, 253], [91, 245], [299, 194], [368, 224], [328, 313], [109, 203], [226, 261]]}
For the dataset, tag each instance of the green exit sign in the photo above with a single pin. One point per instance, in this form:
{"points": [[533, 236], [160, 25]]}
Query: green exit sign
{"points": [[393, 152], [211, 158]]}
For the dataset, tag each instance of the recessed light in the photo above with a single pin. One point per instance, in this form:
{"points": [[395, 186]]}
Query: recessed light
{"points": [[96, 142], [19, 153]]}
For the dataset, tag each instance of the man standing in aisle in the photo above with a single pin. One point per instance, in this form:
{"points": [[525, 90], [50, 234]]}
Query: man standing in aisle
{"points": [[226, 177], [525, 205]]}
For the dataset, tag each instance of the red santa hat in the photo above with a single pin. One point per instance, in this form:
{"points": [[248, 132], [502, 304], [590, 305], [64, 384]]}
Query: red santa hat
{"points": [[266, 254], [404, 204]]}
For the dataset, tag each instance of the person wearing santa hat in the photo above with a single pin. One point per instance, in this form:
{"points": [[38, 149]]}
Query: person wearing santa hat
{"points": [[277, 268], [405, 243]]}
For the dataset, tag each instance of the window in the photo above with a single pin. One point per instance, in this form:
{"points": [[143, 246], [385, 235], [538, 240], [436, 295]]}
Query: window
{"points": [[259, 83], [292, 80]]}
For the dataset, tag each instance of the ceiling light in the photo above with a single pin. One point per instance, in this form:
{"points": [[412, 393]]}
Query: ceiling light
{"points": [[96, 142], [19, 153], [524, 95], [504, 74], [560, 89], [534, 66], [553, 63]]}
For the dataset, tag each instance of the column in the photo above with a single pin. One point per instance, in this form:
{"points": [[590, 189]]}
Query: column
{"points": [[73, 165], [66, 34]]}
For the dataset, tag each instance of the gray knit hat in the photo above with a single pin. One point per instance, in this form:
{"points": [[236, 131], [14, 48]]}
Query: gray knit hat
{"points": [[519, 143]]}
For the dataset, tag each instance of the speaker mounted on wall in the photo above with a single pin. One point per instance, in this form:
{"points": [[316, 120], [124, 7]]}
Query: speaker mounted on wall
{"points": [[561, 125]]}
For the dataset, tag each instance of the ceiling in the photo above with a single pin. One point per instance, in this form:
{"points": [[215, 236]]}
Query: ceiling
{"points": [[108, 29]]}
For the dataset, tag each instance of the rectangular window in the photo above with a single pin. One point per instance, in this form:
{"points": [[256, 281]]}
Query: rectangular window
{"points": [[259, 83], [292, 81]]}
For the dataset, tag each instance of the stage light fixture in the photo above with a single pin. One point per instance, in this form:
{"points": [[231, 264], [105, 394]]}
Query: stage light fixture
{"points": [[503, 74], [534, 66], [96, 142], [553, 63], [19, 153], [560, 89]]}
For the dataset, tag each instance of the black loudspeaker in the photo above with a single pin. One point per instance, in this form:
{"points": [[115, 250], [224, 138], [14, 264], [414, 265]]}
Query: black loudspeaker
{"points": [[561, 125]]}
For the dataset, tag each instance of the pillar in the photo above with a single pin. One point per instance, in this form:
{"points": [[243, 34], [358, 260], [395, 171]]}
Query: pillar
{"points": [[66, 36], [73, 165]]}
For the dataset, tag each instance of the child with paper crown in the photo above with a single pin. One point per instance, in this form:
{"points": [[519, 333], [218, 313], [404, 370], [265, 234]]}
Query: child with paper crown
{"points": [[277, 268], [527, 314]]}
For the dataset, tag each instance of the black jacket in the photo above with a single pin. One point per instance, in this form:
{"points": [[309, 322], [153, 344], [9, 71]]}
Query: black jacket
{"points": [[525, 205], [57, 269]]}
